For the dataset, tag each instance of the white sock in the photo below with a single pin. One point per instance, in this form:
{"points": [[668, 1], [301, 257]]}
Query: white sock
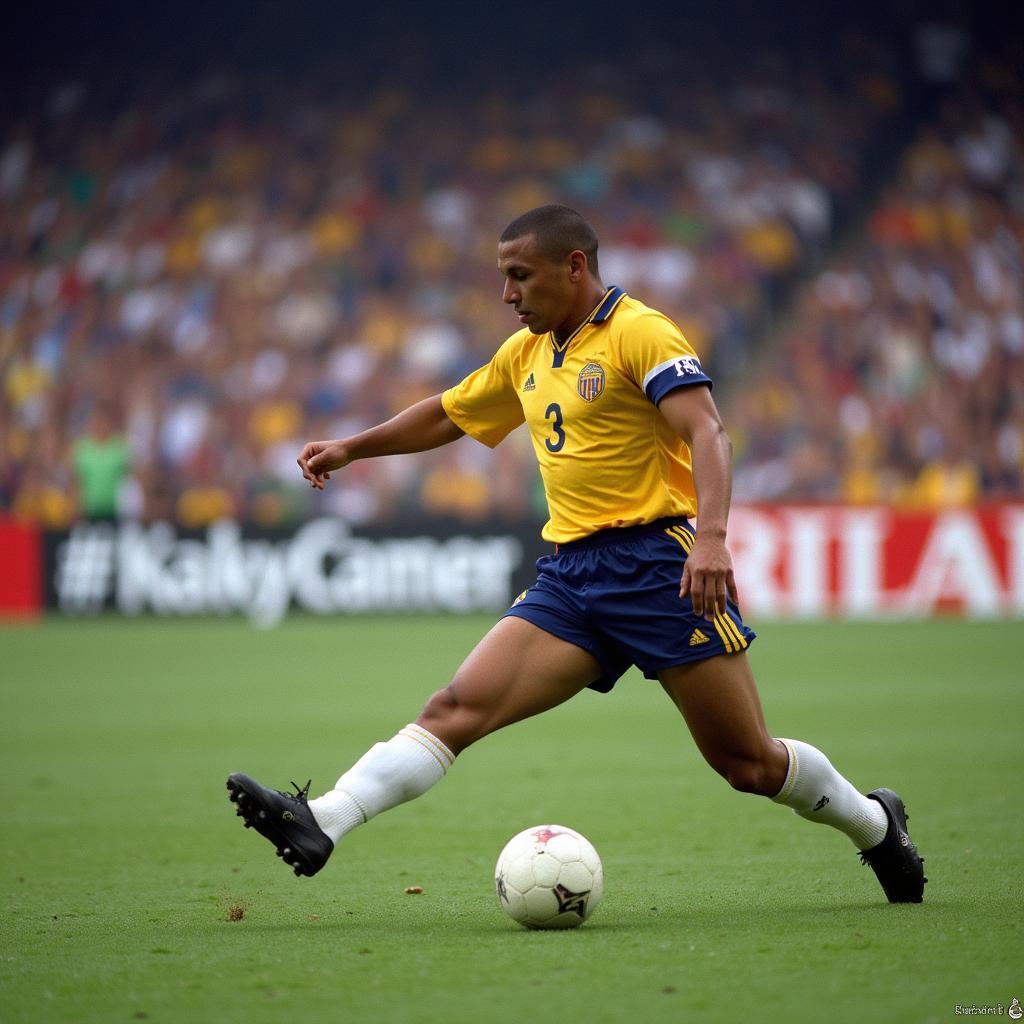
{"points": [[816, 791], [388, 774]]}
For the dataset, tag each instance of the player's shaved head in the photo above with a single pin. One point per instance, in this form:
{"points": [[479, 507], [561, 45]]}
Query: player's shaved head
{"points": [[558, 230]]}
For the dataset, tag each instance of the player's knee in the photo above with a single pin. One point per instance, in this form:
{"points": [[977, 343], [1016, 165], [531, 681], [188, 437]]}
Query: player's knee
{"points": [[750, 775], [441, 707], [450, 720]]}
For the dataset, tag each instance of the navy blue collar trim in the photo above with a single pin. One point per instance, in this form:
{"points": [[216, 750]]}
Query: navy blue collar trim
{"points": [[608, 303]]}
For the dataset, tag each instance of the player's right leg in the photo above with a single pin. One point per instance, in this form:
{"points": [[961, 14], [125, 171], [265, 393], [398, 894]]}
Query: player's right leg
{"points": [[516, 671]]}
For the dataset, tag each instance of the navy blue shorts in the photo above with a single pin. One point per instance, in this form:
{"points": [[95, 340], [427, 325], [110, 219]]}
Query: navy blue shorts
{"points": [[616, 595]]}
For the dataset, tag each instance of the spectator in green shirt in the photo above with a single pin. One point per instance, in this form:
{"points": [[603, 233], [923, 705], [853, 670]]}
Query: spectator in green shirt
{"points": [[101, 460]]}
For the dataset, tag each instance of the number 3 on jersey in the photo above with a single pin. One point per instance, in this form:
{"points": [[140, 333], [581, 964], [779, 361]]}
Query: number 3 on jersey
{"points": [[554, 413]]}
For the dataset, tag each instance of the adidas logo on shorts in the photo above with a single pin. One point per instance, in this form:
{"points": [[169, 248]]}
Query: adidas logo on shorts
{"points": [[697, 638]]}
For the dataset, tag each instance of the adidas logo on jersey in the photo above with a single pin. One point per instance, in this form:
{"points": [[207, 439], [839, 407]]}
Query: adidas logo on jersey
{"points": [[697, 638], [529, 385]]}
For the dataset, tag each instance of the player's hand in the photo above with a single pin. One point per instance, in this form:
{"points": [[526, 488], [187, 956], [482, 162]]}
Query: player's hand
{"points": [[319, 458], [708, 577]]}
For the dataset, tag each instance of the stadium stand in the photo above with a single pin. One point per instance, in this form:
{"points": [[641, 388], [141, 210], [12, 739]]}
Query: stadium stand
{"points": [[228, 265], [900, 378]]}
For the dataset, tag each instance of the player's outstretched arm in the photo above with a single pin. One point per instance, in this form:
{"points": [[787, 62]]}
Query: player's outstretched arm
{"points": [[707, 575], [419, 428]]}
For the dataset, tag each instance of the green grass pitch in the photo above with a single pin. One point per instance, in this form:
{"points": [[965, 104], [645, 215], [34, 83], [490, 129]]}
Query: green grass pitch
{"points": [[123, 864]]}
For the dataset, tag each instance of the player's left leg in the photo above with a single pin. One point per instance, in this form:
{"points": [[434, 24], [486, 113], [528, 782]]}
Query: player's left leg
{"points": [[719, 700]]}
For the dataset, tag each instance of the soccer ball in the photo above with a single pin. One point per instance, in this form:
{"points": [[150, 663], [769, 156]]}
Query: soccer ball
{"points": [[549, 876]]}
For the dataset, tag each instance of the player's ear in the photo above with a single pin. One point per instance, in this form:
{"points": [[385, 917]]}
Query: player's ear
{"points": [[577, 265]]}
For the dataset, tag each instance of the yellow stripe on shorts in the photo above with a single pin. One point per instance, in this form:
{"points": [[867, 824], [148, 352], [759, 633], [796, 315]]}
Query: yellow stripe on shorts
{"points": [[725, 635], [682, 535], [727, 629], [725, 626]]}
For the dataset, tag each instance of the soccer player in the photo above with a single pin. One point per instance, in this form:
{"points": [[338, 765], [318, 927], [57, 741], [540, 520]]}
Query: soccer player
{"points": [[630, 445]]}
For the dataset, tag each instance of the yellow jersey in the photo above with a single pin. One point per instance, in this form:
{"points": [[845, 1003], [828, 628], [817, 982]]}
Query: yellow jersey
{"points": [[607, 457]]}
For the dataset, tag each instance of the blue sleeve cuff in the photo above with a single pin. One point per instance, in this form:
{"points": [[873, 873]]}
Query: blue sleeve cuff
{"points": [[672, 374]]}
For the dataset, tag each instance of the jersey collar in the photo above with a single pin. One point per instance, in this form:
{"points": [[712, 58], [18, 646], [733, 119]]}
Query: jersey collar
{"points": [[598, 315]]}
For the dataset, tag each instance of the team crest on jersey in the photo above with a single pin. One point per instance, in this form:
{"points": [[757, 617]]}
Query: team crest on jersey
{"points": [[590, 383]]}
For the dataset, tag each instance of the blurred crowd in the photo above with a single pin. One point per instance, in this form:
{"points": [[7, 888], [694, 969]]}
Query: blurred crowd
{"points": [[198, 276], [900, 378]]}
